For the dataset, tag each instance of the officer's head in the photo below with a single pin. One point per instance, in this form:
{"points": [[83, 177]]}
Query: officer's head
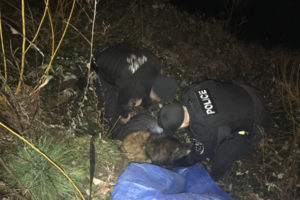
{"points": [[163, 88], [171, 117]]}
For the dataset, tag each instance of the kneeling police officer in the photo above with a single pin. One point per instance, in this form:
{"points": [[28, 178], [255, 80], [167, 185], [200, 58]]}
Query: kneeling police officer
{"points": [[129, 77], [224, 121]]}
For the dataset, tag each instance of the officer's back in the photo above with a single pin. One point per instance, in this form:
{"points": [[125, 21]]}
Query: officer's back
{"points": [[121, 63]]}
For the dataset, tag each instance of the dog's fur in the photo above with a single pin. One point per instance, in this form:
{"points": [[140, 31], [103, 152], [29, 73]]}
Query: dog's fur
{"points": [[158, 149]]}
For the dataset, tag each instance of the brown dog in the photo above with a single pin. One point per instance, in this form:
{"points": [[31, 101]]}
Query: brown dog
{"points": [[158, 149]]}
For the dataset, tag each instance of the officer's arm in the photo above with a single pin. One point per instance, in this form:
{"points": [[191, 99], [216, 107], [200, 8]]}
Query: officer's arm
{"points": [[123, 101], [147, 102], [207, 138]]}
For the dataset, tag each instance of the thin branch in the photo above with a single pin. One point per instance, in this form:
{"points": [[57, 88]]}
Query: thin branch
{"points": [[58, 46], [38, 30], [52, 31], [23, 48], [14, 31], [91, 52], [79, 32], [13, 56], [90, 20], [3, 50]]}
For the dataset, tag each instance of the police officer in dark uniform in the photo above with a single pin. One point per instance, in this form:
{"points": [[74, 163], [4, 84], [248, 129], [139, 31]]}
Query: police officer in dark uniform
{"points": [[129, 77], [225, 121]]}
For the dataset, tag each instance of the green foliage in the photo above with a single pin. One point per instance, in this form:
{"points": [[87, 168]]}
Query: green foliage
{"points": [[107, 150], [38, 175]]}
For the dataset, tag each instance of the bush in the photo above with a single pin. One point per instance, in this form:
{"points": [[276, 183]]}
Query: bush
{"points": [[37, 177]]}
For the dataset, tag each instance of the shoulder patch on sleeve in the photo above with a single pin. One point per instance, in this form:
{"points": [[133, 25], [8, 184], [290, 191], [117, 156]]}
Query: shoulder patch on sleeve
{"points": [[135, 62]]}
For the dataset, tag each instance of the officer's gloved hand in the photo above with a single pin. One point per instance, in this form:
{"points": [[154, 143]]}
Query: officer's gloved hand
{"points": [[125, 120]]}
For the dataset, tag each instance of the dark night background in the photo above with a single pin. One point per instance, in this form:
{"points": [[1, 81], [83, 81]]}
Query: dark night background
{"points": [[269, 22]]}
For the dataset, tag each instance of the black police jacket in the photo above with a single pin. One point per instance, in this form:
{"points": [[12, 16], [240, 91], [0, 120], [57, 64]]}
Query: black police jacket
{"points": [[218, 111], [132, 71]]}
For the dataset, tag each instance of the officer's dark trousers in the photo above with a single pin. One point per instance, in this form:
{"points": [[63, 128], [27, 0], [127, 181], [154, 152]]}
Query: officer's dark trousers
{"points": [[230, 151], [107, 98]]}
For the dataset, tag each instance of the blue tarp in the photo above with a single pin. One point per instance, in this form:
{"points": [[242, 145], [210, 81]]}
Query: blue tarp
{"points": [[151, 182]]}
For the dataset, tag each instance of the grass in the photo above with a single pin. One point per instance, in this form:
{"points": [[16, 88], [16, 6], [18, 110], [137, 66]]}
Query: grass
{"points": [[39, 178]]}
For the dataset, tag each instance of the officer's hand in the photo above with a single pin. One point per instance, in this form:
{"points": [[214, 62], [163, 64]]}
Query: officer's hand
{"points": [[125, 120], [138, 102]]}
